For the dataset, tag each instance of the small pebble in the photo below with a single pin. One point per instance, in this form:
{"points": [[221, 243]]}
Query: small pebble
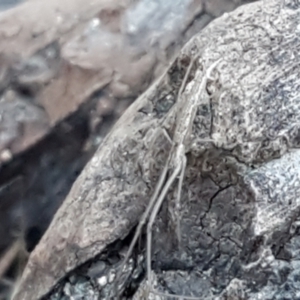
{"points": [[105, 106], [102, 281], [97, 269], [73, 279], [67, 289], [111, 277], [10, 95], [6, 155]]}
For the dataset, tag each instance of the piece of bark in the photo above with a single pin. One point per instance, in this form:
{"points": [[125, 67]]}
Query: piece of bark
{"points": [[251, 113]]}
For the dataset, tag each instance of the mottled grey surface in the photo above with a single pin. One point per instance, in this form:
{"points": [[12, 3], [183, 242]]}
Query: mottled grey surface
{"points": [[239, 205]]}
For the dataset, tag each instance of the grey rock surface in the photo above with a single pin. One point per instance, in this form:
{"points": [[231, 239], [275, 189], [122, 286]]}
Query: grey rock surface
{"points": [[44, 40], [240, 205], [52, 63]]}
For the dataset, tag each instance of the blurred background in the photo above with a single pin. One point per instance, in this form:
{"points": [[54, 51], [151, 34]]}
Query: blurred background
{"points": [[6, 4]]}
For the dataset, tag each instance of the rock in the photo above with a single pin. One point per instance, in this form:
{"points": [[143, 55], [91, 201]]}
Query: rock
{"points": [[239, 202], [54, 67]]}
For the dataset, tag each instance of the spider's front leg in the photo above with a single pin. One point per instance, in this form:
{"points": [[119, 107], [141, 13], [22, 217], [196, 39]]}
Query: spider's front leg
{"points": [[179, 163], [143, 220]]}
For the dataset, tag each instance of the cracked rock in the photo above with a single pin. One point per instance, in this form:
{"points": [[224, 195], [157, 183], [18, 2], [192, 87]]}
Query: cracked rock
{"points": [[239, 207]]}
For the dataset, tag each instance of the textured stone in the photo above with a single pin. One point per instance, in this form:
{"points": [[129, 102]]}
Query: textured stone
{"points": [[239, 211]]}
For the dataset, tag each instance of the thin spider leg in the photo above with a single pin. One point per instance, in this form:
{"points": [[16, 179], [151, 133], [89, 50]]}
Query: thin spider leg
{"points": [[153, 215], [179, 169], [185, 78], [180, 162], [162, 178], [158, 186], [144, 217], [177, 205], [160, 182], [165, 132]]}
